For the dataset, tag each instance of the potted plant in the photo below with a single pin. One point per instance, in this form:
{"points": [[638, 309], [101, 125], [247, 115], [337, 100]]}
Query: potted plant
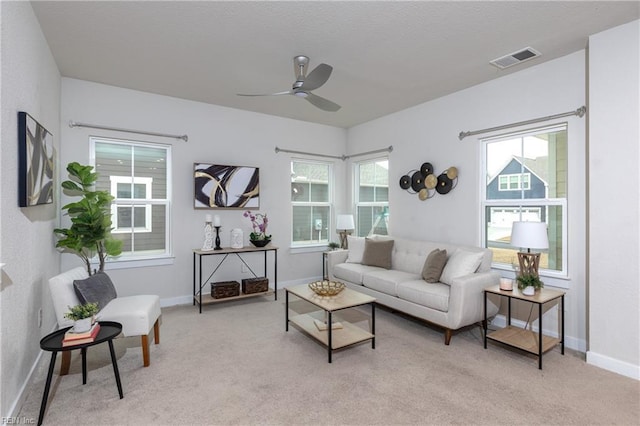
{"points": [[259, 222], [83, 316], [333, 245], [529, 280], [90, 231]]}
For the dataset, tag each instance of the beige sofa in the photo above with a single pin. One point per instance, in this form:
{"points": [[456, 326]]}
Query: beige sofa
{"points": [[453, 304]]}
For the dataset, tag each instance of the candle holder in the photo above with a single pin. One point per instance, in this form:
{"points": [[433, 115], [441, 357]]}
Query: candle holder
{"points": [[217, 238]]}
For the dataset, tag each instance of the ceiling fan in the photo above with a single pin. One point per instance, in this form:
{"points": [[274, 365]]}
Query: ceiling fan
{"points": [[304, 84]]}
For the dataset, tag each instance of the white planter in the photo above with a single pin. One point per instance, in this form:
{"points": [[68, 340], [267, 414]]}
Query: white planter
{"points": [[80, 326]]}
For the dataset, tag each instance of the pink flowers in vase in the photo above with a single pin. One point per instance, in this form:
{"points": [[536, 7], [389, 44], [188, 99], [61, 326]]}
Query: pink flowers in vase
{"points": [[259, 224]]}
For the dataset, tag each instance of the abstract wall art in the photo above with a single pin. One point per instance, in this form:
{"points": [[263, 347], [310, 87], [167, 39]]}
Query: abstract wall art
{"points": [[36, 162], [226, 187]]}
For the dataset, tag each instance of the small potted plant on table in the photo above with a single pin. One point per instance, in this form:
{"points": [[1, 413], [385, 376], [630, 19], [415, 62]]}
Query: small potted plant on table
{"points": [[529, 283], [83, 316]]}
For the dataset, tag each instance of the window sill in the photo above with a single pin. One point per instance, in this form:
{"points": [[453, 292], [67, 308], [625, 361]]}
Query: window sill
{"points": [[136, 263], [308, 249]]}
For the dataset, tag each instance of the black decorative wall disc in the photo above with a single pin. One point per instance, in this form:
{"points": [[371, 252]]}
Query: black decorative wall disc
{"points": [[417, 181], [405, 182], [426, 169], [444, 184]]}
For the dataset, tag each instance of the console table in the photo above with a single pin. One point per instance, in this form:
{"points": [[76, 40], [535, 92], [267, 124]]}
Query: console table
{"points": [[225, 252], [526, 340]]}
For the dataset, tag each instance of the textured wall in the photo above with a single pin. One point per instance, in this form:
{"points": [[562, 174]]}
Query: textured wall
{"points": [[31, 83]]}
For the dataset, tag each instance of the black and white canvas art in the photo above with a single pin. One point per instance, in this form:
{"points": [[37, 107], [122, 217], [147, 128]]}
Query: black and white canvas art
{"points": [[36, 162], [219, 186]]}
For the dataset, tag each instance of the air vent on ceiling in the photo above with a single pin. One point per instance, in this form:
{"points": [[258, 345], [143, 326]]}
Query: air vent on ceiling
{"points": [[515, 58]]}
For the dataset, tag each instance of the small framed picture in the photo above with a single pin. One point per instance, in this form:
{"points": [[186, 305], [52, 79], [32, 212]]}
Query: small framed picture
{"points": [[36, 162]]}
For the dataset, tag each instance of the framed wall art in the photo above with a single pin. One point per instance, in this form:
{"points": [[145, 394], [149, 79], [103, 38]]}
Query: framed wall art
{"points": [[36, 162], [226, 187]]}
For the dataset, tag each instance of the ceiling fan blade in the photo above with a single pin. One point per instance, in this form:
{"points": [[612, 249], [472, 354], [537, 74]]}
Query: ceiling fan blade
{"points": [[288, 92], [317, 77], [322, 103]]}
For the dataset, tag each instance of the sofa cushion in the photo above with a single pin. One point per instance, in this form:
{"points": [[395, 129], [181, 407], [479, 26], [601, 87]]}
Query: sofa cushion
{"points": [[377, 253], [387, 280], [356, 249], [434, 296], [352, 272], [433, 266], [461, 262], [97, 288]]}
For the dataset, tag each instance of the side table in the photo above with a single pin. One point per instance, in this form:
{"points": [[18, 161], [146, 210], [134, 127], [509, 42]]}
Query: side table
{"points": [[53, 343], [526, 340]]}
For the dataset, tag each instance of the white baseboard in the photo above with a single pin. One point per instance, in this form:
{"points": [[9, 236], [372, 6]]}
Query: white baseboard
{"points": [[570, 342], [614, 365]]}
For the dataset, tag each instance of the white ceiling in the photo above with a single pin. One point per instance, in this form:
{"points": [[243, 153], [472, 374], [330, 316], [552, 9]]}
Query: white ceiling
{"points": [[386, 55]]}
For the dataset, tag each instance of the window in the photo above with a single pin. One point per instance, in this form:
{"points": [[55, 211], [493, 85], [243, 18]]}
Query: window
{"points": [[137, 174], [526, 180], [372, 197], [311, 200]]}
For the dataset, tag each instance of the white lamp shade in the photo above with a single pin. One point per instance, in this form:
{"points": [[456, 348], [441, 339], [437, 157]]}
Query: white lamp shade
{"points": [[344, 222], [531, 235]]}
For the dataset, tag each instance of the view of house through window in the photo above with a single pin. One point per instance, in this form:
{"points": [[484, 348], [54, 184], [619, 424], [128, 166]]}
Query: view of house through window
{"points": [[372, 197], [137, 175], [311, 200], [526, 180]]}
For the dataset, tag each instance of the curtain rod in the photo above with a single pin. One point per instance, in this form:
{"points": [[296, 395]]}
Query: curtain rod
{"points": [[342, 157], [579, 112], [140, 132]]}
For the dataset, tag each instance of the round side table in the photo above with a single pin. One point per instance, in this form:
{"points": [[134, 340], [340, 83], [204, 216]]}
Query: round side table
{"points": [[53, 343]]}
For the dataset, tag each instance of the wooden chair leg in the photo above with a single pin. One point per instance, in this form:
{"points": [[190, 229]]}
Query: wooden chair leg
{"points": [[145, 350], [447, 336], [65, 363], [156, 331]]}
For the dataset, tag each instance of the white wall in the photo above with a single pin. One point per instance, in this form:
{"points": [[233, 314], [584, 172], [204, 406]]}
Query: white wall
{"points": [[31, 83], [429, 132], [217, 135], [614, 200]]}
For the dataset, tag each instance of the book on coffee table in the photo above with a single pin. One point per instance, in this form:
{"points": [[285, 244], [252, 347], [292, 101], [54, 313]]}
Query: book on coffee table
{"points": [[322, 326]]}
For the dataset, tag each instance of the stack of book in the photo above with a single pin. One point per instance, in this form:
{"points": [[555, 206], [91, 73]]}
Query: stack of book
{"points": [[72, 338]]}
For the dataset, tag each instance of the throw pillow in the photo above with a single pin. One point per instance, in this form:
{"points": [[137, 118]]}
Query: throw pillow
{"points": [[377, 253], [356, 249], [98, 288], [460, 263], [433, 266]]}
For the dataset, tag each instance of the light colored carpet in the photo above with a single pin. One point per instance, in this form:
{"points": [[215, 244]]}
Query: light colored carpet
{"points": [[234, 364]]}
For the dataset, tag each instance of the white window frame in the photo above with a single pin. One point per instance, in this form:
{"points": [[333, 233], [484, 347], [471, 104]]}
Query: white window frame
{"points": [[150, 258], [329, 203], [563, 273], [121, 202], [356, 190]]}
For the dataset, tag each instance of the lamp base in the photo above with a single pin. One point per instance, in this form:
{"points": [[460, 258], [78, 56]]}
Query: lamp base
{"points": [[529, 263], [344, 242]]}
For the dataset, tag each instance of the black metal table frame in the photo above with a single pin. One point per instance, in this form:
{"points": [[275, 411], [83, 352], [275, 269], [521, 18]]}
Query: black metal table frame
{"points": [[226, 253], [330, 321], [55, 339], [540, 304]]}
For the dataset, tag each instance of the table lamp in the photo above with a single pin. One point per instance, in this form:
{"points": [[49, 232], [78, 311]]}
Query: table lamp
{"points": [[529, 235], [344, 226]]}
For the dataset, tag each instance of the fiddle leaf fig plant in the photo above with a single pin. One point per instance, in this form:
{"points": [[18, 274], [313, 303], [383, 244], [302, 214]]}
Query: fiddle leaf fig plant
{"points": [[90, 231]]}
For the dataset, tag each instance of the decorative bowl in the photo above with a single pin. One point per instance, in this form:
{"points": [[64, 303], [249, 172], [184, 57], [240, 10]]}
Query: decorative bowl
{"points": [[326, 288], [260, 243]]}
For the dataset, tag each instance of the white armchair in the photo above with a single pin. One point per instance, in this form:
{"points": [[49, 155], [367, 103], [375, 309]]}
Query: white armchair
{"points": [[137, 314]]}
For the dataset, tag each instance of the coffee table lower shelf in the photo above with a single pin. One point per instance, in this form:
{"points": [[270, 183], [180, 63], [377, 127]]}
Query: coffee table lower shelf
{"points": [[348, 335], [523, 339], [207, 299]]}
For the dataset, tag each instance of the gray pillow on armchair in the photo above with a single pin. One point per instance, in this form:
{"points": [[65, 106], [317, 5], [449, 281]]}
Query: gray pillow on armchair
{"points": [[98, 288]]}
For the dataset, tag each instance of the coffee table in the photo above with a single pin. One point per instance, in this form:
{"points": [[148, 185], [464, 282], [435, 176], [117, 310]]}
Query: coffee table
{"points": [[338, 338]]}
